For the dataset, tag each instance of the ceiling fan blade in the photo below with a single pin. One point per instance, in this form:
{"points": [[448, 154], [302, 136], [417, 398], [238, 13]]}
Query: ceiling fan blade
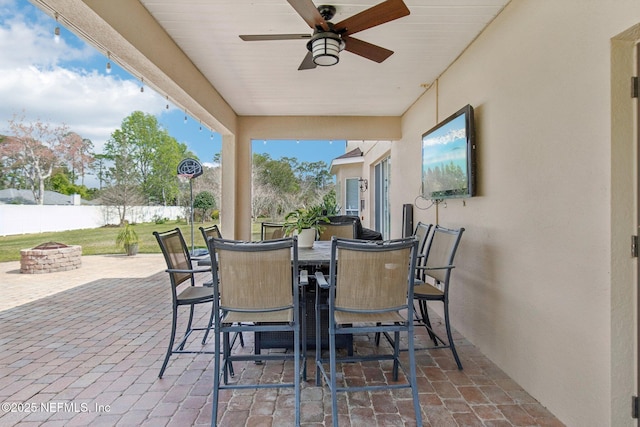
{"points": [[375, 15], [366, 50], [307, 63], [308, 11], [263, 37]]}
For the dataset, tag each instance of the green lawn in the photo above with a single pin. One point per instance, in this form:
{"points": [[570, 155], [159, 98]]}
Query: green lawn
{"points": [[100, 241]]}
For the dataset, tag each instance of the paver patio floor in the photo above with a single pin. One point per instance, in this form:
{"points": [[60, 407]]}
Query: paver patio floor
{"points": [[85, 347]]}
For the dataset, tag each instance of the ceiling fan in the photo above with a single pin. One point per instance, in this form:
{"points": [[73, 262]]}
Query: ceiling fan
{"points": [[329, 39]]}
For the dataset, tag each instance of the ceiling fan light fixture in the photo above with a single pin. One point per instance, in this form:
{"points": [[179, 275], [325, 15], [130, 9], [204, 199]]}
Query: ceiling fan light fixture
{"points": [[325, 48]]}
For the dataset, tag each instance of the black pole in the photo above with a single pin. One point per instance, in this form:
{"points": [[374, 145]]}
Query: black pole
{"points": [[191, 197]]}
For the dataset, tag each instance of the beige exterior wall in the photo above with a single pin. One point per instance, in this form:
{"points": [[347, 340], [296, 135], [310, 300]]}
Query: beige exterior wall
{"points": [[544, 283]]}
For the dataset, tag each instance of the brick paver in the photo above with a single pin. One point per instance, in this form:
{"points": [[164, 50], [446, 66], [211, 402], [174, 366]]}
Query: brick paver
{"points": [[85, 347]]}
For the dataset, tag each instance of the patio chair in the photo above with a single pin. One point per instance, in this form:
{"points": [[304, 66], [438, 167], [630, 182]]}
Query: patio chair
{"points": [[421, 234], [271, 231], [258, 292], [203, 256], [208, 233], [434, 281], [211, 231], [179, 267], [345, 230], [374, 294]]}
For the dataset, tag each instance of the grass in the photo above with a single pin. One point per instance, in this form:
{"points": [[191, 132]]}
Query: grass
{"points": [[102, 241]]}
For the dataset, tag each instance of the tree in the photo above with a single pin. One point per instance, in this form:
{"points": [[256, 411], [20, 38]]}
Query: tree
{"points": [[78, 156], [122, 176], [60, 182], [204, 201], [153, 153], [33, 151], [280, 186]]}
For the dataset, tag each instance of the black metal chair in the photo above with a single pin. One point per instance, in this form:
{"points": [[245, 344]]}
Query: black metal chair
{"points": [[434, 282], [176, 255], [258, 292], [271, 231], [370, 291]]}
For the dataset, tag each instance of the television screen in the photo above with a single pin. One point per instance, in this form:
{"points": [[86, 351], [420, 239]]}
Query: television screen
{"points": [[448, 157]]}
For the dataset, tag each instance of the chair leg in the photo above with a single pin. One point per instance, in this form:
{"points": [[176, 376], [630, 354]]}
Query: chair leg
{"points": [[449, 335], [298, 358], [216, 379], [332, 369], [174, 321], [226, 351], [206, 333], [396, 354], [424, 312], [412, 377], [186, 332]]}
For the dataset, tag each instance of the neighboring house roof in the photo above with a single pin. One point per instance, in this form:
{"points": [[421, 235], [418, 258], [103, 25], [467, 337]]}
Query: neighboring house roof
{"points": [[25, 197], [349, 158], [356, 152]]}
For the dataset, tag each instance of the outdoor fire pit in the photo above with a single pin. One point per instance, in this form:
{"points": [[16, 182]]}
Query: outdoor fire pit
{"points": [[50, 257]]}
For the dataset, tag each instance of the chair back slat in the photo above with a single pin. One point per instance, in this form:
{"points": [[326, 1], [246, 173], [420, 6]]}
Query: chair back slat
{"points": [[376, 279], [344, 230], [254, 276], [209, 232], [441, 252], [421, 233], [176, 254], [271, 231]]}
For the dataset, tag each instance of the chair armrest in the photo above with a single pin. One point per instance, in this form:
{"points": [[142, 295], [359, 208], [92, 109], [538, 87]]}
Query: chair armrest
{"points": [[177, 270], [304, 278], [320, 279], [446, 267]]}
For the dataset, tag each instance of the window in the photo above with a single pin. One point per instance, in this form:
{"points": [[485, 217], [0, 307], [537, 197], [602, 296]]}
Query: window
{"points": [[352, 197]]}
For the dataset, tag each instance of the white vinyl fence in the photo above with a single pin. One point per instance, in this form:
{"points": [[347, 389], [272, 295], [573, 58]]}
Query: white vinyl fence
{"points": [[23, 219]]}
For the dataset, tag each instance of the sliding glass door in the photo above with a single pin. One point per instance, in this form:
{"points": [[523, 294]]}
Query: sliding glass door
{"points": [[382, 172]]}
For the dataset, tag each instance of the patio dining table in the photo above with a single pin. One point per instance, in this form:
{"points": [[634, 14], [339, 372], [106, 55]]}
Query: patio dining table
{"points": [[315, 258], [318, 255]]}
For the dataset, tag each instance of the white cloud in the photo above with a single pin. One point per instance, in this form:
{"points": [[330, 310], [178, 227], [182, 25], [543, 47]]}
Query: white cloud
{"points": [[38, 82]]}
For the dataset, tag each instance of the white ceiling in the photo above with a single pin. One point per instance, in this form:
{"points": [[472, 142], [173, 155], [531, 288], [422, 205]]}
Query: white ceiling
{"points": [[262, 78]]}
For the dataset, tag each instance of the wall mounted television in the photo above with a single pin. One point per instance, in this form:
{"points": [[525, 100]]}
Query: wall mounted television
{"points": [[448, 157]]}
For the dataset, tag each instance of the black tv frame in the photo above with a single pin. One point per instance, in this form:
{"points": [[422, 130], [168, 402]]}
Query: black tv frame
{"points": [[454, 177]]}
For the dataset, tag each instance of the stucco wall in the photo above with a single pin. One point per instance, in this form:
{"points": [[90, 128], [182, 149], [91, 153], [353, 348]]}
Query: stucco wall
{"points": [[533, 285]]}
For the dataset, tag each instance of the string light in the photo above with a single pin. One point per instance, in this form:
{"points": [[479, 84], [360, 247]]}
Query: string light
{"points": [[167, 102], [56, 31], [108, 62], [185, 117], [141, 84]]}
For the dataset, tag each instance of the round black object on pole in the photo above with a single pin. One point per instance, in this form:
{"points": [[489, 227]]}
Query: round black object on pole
{"points": [[190, 167]]}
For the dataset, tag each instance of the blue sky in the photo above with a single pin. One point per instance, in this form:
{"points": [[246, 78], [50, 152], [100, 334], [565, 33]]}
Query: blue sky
{"points": [[65, 81]]}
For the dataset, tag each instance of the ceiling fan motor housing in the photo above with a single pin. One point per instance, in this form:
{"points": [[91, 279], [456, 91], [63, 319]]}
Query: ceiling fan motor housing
{"points": [[327, 11]]}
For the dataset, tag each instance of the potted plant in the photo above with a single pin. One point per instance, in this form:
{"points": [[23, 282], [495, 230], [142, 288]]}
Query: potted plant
{"points": [[305, 222], [127, 238]]}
